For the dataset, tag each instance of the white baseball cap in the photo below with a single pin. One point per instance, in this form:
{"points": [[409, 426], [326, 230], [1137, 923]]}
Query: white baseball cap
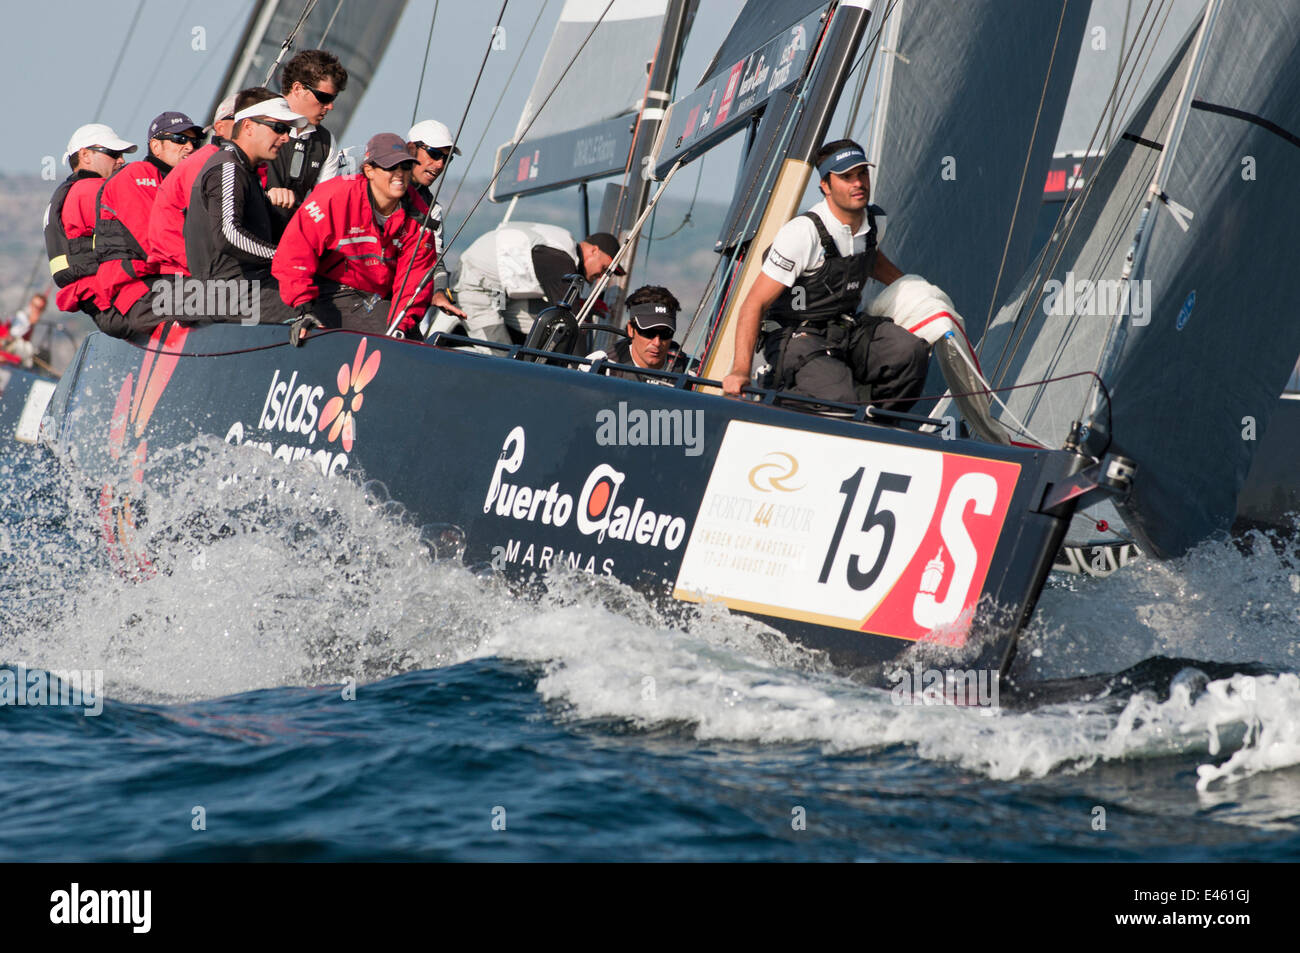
{"points": [[225, 110], [277, 108], [96, 134], [433, 134]]}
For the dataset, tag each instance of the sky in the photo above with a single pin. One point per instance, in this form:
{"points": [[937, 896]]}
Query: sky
{"points": [[64, 52]]}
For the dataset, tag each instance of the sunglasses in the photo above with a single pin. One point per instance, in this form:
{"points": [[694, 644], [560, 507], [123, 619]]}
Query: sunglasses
{"points": [[113, 154], [323, 98], [663, 334], [195, 141], [400, 167], [443, 154], [279, 128]]}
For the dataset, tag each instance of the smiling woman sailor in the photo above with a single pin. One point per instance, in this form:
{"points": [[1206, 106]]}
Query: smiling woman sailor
{"points": [[338, 257]]}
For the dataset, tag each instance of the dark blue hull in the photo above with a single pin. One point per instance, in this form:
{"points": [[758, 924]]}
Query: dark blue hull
{"points": [[850, 537]]}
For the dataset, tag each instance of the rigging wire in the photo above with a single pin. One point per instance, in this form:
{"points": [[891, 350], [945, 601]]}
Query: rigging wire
{"points": [[121, 53], [288, 40], [1024, 169], [428, 44], [198, 73], [320, 44], [504, 89], [158, 64], [1071, 209], [433, 199]]}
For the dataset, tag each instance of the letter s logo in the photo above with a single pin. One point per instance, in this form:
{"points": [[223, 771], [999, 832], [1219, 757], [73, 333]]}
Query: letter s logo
{"points": [[981, 488]]}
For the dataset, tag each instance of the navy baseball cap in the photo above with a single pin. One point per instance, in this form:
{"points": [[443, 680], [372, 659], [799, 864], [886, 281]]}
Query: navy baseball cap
{"points": [[844, 160], [172, 122], [608, 244], [647, 315]]}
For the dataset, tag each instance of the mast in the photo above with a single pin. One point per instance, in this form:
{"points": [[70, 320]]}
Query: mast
{"points": [[839, 46], [663, 78]]}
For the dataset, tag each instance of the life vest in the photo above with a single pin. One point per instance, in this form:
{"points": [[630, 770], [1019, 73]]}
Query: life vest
{"points": [[515, 243], [833, 288], [70, 258]]}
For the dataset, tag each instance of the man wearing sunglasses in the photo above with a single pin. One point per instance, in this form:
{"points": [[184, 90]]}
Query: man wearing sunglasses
{"points": [[228, 231], [122, 226], [167, 220], [430, 144], [652, 320], [94, 152], [354, 246], [310, 83]]}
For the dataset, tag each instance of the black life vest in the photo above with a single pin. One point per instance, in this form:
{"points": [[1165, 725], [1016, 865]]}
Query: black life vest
{"points": [[113, 240], [70, 258], [834, 288], [297, 167]]}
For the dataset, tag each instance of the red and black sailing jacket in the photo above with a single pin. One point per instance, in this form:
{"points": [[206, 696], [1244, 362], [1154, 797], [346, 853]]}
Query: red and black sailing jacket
{"points": [[121, 232], [335, 237], [167, 220], [70, 241]]}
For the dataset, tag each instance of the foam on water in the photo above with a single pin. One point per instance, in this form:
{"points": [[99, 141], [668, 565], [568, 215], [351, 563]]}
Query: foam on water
{"points": [[261, 586]]}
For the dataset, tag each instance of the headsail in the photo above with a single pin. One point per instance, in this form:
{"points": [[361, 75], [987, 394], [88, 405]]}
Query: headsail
{"points": [[584, 130], [1208, 347], [358, 33], [1193, 385]]}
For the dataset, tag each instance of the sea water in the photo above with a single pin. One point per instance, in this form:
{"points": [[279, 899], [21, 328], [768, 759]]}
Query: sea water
{"points": [[302, 673]]}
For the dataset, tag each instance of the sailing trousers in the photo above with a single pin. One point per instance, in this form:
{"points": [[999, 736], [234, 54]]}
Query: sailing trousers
{"points": [[871, 360], [338, 306]]}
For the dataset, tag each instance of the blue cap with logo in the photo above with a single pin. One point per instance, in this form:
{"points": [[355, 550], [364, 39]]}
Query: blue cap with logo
{"points": [[843, 160], [172, 122]]}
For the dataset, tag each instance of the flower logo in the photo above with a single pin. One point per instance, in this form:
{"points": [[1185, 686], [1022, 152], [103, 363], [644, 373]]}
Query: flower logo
{"points": [[338, 413]]}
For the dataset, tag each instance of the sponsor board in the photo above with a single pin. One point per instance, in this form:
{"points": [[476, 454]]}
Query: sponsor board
{"points": [[880, 538], [602, 509]]}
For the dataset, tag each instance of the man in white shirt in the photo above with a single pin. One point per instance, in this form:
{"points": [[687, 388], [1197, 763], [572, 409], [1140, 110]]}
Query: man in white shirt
{"points": [[811, 285]]}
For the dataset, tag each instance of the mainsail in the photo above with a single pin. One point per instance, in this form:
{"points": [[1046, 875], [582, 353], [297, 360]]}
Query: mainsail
{"points": [[577, 123], [1205, 348], [356, 31]]}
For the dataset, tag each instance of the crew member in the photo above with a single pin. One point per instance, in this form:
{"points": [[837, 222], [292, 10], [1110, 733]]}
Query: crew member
{"points": [[94, 152], [310, 83], [167, 220], [122, 228], [513, 273], [652, 320], [228, 226], [16, 345], [430, 143], [355, 239], [812, 281]]}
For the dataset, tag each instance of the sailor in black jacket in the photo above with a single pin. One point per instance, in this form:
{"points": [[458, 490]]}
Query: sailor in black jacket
{"points": [[228, 232]]}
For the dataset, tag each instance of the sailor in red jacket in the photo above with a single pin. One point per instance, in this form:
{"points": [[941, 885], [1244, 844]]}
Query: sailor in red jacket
{"points": [[95, 152], [122, 227], [167, 219], [347, 251]]}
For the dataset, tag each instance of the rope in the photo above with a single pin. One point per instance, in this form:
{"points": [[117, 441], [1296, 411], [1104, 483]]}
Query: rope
{"points": [[158, 64], [685, 221]]}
